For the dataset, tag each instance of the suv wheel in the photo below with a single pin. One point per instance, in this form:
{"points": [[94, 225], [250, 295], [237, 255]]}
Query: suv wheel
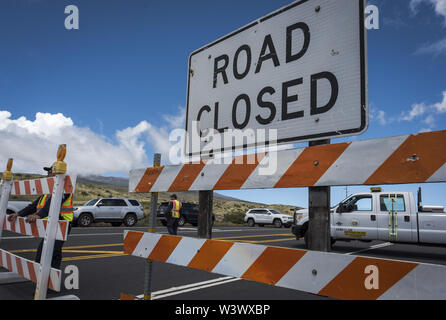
{"points": [[181, 221], [251, 223], [85, 219], [278, 223], [130, 220]]}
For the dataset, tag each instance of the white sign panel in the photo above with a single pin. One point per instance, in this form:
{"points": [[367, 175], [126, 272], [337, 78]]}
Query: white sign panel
{"points": [[301, 70]]}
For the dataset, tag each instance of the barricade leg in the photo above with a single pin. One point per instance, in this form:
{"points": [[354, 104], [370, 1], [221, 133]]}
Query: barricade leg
{"points": [[50, 237], [7, 277]]}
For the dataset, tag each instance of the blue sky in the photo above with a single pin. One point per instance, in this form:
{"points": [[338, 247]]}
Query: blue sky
{"points": [[116, 87]]}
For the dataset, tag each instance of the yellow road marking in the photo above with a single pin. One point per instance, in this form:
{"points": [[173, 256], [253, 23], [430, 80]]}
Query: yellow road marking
{"points": [[90, 251], [93, 256], [75, 247], [95, 246]]}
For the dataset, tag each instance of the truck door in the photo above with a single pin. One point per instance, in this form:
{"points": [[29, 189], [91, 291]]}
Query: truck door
{"points": [[355, 219], [394, 218]]}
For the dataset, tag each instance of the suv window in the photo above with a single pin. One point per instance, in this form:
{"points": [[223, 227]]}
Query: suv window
{"points": [[190, 208], [134, 203], [119, 203], [91, 202], [106, 202]]}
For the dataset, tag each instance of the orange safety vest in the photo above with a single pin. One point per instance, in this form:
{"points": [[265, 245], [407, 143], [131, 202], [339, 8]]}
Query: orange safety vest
{"points": [[66, 209], [176, 206]]}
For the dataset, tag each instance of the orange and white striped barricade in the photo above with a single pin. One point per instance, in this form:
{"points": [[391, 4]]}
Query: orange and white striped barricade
{"points": [[37, 228], [52, 229], [404, 159], [325, 274]]}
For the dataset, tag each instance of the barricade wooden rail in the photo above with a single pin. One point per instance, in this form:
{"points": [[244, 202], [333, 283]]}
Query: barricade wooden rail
{"points": [[404, 159], [326, 274]]}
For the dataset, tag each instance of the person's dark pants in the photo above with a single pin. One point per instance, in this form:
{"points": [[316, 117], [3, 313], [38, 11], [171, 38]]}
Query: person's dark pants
{"points": [[172, 225], [56, 260]]}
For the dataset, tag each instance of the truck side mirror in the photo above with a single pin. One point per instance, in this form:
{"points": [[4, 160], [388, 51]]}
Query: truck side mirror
{"points": [[340, 208]]}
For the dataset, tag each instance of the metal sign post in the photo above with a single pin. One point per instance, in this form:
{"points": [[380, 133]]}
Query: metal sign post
{"points": [[205, 217], [319, 213], [152, 228]]}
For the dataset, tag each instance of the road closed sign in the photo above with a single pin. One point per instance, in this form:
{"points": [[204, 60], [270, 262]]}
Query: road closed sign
{"points": [[298, 74]]}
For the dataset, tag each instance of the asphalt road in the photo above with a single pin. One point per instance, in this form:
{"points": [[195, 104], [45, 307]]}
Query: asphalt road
{"points": [[105, 272]]}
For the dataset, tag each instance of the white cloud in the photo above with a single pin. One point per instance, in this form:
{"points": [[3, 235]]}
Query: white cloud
{"points": [[436, 49], [440, 107], [429, 110], [439, 6], [177, 120], [33, 144], [380, 116], [417, 110]]}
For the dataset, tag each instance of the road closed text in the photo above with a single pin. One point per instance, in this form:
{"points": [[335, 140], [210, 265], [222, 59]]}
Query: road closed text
{"points": [[244, 106]]}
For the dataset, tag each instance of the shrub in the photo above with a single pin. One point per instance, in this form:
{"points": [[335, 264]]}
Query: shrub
{"points": [[234, 217]]}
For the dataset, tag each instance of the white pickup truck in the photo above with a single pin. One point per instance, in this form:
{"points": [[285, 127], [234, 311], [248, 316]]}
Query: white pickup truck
{"points": [[386, 216]]}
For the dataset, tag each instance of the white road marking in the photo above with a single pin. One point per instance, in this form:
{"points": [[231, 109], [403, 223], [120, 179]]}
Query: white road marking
{"points": [[376, 246], [190, 287]]}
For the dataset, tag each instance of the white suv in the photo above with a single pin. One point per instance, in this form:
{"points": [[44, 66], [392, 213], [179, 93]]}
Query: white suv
{"points": [[267, 216], [113, 210]]}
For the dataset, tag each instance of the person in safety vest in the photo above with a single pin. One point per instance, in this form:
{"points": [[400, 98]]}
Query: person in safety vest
{"points": [[39, 209], [174, 211]]}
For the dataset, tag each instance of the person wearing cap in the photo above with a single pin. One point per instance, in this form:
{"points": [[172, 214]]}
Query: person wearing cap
{"points": [[39, 209], [174, 211]]}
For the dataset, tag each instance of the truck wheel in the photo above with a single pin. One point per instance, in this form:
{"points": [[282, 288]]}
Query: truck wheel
{"points": [[277, 223], [85, 220], [130, 220], [251, 223]]}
